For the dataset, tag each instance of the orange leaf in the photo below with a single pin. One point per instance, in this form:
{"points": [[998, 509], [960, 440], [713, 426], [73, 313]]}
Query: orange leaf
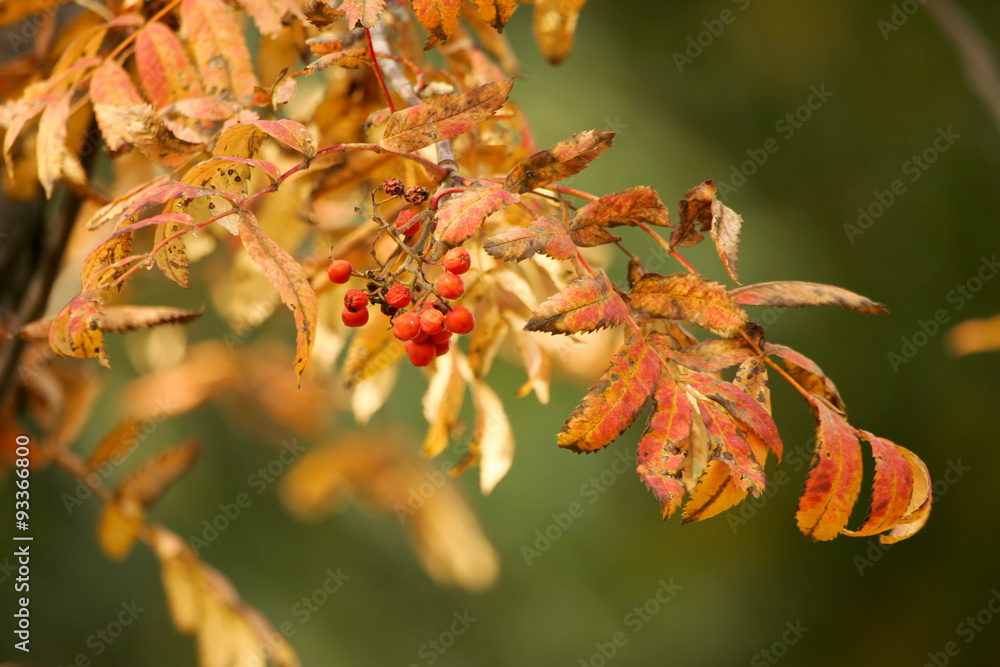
{"points": [[796, 294], [805, 371], [220, 50], [555, 26], [496, 12], [288, 278], [919, 508], [660, 461], [443, 117], [726, 224], [716, 492], [289, 132], [834, 477], [891, 490], [978, 335], [76, 331], [628, 207], [111, 86], [587, 304], [462, 215], [364, 12], [613, 403], [731, 447], [439, 17], [545, 235], [687, 296], [740, 406], [165, 71], [564, 159], [119, 527], [116, 446]]}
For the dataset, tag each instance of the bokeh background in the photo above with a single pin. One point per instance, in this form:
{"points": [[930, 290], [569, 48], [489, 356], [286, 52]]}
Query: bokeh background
{"points": [[744, 579]]}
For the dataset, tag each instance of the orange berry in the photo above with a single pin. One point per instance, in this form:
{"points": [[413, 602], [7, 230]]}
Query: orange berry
{"points": [[406, 326], [457, 260], [339, 271], [431, 321], [459, 320], [354, 318], [420, 354], [450, 286]]}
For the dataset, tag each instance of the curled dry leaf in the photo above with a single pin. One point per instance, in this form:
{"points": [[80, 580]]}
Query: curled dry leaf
{"points": [[725, 231], [564, 159], [639, 205], [796, 294]]}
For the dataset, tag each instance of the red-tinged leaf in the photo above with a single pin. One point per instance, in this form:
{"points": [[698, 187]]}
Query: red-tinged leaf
{"points": [[115, 209], [795, 294], [111, 86], [805, 371], [289, 132], [716, 492], [731, 447], [462, 215], [660, 461], [439, 18], [55, 161], [496, 12], [545, 235], [834, 477], [710, 355], [565, 159], [587, 304], [613, 403], [640, 205], [725, 231], [740, 406], [165, 72], [159, 195], [362, 12], [443, 117], [219, 49], [555, 27], [290, 281], [919, 508], [77, 331], [687, 296], [891, 489], [696, 214]]}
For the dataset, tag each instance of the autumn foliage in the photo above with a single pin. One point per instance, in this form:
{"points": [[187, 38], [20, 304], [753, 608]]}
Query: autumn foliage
{"points": [[403, 213]]}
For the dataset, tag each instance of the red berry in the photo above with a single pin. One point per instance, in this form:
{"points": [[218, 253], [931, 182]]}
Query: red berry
{"points": [[431, 321], [406, 326], [405, 224], [441, 336], [422, 337], [398, 296], [339, 271], [450, 286], [355, 318], [421, 354], [441, 348], [355, 299], [459, 320], [457, 260]]}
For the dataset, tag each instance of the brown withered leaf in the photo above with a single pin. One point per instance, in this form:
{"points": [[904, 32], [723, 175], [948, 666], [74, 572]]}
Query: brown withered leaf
{"points": [[639, 205], [165, 72], [715, 493], [362, 12], [751, 377], [725, 231], [321, 15], [355, 58], [587, 304], [544, 235], [555, 26], [439, 18], [566, 158], [688, 296], [834, 477], [496, 12], [114, 210], [288, 278], [443, 117], [76, 331], [116, 248], [695, 215], [797, 294], [219, 49], [613, 403], [464, 214]]}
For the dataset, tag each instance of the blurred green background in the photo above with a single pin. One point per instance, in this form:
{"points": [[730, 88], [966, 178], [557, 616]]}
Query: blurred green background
{"points": [[743, 584]]}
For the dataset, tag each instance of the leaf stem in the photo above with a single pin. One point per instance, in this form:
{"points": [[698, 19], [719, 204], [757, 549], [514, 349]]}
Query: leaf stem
{"points": [[378, 71], [666, 246]]}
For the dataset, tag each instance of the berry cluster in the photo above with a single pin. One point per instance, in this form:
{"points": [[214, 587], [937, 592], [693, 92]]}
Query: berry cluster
{"points": [[421, 317]]}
